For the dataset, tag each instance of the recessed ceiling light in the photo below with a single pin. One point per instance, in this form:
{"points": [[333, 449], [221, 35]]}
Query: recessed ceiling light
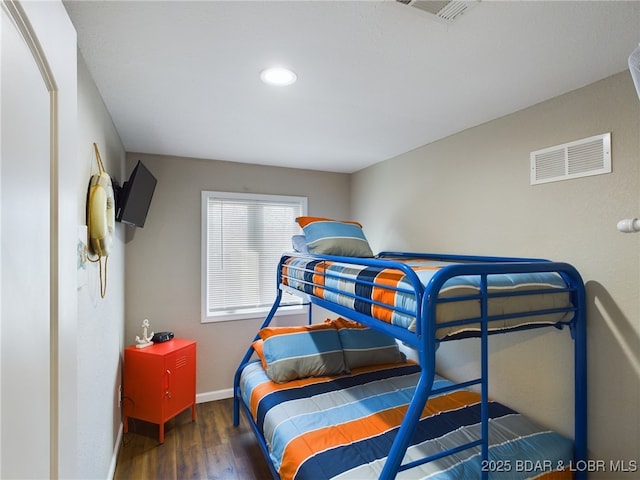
{"points": [[278, 76]]}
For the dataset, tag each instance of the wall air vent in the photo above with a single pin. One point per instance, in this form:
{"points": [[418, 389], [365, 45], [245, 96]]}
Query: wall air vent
{"points": [[582, 158], [446, 11]]}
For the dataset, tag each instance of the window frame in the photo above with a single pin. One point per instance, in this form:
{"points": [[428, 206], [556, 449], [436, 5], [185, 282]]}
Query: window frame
{"points": [[245, 313]]}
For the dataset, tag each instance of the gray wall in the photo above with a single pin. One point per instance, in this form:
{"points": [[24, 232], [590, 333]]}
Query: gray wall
{"points": [[470, 193], [163, 258], [100, 320]]}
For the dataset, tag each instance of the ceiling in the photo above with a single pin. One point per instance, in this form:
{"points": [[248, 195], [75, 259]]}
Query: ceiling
{"points": [[375, 78]]}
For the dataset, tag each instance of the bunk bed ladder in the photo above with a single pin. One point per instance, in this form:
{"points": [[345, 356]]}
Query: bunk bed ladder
{"points": [[400, 444], [484, 376], [579, 333], [424, 391], [452, 451], [483, 381]]}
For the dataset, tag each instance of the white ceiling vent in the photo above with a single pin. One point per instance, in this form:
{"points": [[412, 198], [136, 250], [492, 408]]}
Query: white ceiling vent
{"points": [[446, 11], [582, 158]]}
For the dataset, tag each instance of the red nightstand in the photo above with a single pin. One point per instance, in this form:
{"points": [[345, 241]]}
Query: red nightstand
{"points": [[159, 382]]}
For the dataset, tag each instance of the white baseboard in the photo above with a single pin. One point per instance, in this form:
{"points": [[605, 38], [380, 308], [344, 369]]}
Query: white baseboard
{"points": [[215, 395], [116, 450]]}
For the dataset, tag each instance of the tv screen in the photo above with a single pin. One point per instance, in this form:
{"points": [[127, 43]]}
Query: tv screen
{"points": [[135, 196]]}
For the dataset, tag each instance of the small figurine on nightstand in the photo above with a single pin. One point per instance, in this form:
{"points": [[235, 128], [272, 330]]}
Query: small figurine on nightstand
{"points": [[145, 341]]}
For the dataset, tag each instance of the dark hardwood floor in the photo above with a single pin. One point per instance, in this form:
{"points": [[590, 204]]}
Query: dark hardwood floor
{"points": [[209, 448]]}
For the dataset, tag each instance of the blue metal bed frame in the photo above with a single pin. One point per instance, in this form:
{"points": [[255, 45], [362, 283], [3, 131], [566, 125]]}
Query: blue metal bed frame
{"points": [[424, 340]]}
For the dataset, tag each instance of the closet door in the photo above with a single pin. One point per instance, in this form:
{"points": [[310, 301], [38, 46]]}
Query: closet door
{"points": [[27, 113]]}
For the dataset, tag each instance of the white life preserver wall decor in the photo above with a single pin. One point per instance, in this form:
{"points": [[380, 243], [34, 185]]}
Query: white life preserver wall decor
{"points": [[100, 218]]}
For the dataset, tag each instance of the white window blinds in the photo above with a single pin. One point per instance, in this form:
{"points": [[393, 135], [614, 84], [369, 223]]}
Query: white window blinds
{"points": [[244, 236]]}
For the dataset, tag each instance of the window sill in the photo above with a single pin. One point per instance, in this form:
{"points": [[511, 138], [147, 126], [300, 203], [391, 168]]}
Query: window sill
{"points": [[258, 313]]}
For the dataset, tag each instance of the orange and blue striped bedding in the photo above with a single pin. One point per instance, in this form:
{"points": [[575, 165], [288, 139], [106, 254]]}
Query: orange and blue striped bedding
{"points": [[343, 428], [386, 293]]}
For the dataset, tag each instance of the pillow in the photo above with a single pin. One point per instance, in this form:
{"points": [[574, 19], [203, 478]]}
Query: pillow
{"points": [[258, 347], [334, 237], [290, 353], [363, 346], [299, 243]]}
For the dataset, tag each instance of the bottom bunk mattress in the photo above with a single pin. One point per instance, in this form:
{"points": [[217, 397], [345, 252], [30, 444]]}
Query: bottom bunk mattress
{"points": [[343, 427]]}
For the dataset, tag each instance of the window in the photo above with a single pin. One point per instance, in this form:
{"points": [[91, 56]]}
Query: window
{"points": [[243, 238]]}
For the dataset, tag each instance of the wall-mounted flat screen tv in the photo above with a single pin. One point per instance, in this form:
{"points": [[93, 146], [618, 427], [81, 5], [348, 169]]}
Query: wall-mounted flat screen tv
{"points": [[135, 197]]}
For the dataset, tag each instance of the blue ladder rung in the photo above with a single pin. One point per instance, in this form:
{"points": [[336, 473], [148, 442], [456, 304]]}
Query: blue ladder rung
{"points": [[438, 455]]}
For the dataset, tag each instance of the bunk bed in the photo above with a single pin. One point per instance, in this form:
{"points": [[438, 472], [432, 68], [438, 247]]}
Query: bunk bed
{"points": [[425, 426]]}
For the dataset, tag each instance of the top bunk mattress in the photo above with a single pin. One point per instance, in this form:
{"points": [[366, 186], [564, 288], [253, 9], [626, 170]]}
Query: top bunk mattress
{"points": [[385, 293]]}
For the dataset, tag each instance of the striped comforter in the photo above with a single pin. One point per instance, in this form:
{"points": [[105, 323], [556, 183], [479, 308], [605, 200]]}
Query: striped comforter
{"points": [[343, 427], [386, 294]]}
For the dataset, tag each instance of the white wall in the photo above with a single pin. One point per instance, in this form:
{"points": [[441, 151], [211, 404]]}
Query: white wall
{"points": [[60, 409], [163, 258], [100, 328], [470, 194], [38, 186]]}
